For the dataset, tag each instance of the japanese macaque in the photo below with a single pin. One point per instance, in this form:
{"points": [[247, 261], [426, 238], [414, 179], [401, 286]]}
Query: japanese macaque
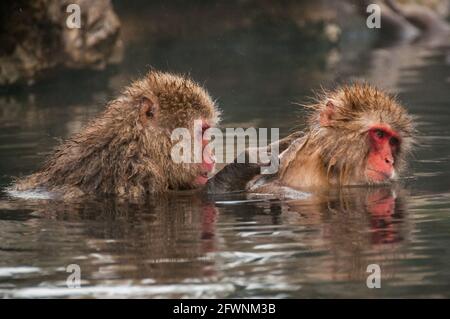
{"points": [[357, 135], [126, 150]]}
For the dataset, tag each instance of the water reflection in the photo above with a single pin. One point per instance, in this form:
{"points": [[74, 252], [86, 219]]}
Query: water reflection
{"points": [[189, 240], [378, 210], [346, 229]]}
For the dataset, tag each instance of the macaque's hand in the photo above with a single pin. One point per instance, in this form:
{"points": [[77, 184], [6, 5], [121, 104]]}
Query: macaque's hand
{"points": [[235, 176]]}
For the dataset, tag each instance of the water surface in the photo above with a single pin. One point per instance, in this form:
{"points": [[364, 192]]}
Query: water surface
{"points": [[186, 245]]}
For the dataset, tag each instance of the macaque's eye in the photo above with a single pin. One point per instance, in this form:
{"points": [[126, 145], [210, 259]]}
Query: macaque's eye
{"points": [[394, 141], [380, 134]]}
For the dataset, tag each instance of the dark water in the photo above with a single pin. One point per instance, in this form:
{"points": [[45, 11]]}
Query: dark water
{"points": [[191, 246]]}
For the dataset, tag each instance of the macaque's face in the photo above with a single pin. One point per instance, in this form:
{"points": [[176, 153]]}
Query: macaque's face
{"points": [[384, 144], [195, 172], [171, 104]]}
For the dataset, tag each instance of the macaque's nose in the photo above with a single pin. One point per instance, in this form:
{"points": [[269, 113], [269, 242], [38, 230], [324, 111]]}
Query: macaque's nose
{"points": [[389, 160]]}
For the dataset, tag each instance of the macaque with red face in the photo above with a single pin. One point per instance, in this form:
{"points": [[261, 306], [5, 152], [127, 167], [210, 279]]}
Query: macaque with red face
{"points": [[357, 135], [126, 150]]}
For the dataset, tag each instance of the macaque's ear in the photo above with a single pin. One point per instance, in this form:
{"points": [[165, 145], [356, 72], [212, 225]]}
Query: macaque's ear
{"points": [[148, 109], [326, 115]]}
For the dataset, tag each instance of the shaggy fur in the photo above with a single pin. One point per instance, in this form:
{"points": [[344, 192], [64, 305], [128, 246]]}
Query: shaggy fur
{"points": [[118, 153], [335, 152]]}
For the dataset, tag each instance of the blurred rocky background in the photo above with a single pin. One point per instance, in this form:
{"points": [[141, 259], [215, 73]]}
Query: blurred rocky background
{"points": [[37, 44], [36, 39]]}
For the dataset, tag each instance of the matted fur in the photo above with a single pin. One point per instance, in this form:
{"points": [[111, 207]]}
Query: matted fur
{"points": [[336, 152], [117, 154]]}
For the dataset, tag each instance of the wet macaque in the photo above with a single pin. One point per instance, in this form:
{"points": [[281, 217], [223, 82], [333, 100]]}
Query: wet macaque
{"points": [[126, 150], [357, 135]]}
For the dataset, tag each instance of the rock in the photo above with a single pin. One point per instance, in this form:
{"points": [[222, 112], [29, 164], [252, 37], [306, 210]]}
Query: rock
{"points": [[36, 38]]}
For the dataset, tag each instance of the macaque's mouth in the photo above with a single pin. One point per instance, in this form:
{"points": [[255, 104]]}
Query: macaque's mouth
{"points": [[201, 179]]}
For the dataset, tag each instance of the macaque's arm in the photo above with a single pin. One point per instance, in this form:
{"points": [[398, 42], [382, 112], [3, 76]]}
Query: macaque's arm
{"points": [[235, 176]]}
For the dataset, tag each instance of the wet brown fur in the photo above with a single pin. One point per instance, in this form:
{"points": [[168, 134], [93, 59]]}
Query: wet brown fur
{"points": [[122, 151], [336, 153]]}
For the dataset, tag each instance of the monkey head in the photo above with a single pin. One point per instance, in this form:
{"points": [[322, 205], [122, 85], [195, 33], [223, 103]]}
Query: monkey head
{"points": [[167, 102], [126, 150], [361, 135]]}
